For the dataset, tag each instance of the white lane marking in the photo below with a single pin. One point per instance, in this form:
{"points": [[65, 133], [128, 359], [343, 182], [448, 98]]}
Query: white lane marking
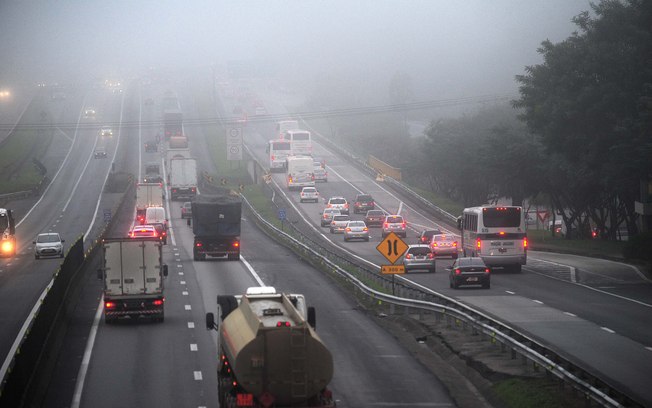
{"points": [[198, 376], [184, 293], [83, 369], [180, 273], [183, 282], [648, 348], [188, 307], [570, 314], [64, 134], [252, 271], [510, 292], [191, 325], [193, 347], [608, 330], [179, 265], [537, 301], [178, 259]]}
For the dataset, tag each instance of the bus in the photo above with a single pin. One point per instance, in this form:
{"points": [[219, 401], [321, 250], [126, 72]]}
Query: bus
{"points": [[299, 172], [300, 141], [284, 125], [278, 150], [497, 234]]}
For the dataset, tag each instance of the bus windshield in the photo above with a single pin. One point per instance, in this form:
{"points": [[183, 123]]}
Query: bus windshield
{"points": [[501, 217], [281, 146]]}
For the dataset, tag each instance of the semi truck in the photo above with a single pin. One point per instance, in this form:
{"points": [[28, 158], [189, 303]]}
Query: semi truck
{"points": [[172, 123], [7, 233], [183, 178], [147, 195], [269, 352], [216, 225], [133, 272]]}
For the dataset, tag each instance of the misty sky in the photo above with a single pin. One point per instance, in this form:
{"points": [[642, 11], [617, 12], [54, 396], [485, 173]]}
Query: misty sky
{"points": [[453, 47]]}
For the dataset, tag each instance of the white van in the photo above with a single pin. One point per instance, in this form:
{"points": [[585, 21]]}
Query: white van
{"points": [[155, 216]]}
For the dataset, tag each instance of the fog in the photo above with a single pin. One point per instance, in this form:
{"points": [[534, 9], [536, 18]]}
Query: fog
{"points": [[447, 48]]}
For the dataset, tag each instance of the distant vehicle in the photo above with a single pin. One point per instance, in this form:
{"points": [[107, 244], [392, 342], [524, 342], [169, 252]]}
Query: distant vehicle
{"points": [[106, 132], [156, 217], [300, 140], [277, 330], [7, 233], [363, 203], [497, 234], [320, 174], [375, 218], [444, 245], [278, 151], [151, 146], [309, 194], [338, 224], [216, 221], [153, 178], [48, 244], [426, 235], [89, 113], [183, 178], [417, 257], [284, 125], [327, 216], [356, 230], [469, 271], [99, 152], [340, 203], [186, 210], [143, 231], [395, 224], [178, 142], [172, 123], [299, 172]]}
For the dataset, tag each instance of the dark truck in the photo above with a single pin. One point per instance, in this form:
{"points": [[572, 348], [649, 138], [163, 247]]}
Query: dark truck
{"points": [[216, 225], [172, 123]]}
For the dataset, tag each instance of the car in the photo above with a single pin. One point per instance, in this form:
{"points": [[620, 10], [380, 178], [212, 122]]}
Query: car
{"points": [[106, 132], [339, 223], [417, 257], [356, 230], [48, 244], [143, 231], [186, 210], [309, 194], [444, 245], [99, 153], [151, 146], [320, 174], [469, 271], [426, 235], [395, 224], [340, 203], [89, 113], [375, 218], [162, 231], [363, 203], [153, 178], [327, 216]]}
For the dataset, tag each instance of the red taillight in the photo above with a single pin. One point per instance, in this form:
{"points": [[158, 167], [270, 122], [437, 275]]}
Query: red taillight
{"points": [[273, 157], [458, 271], [525, 242], [365, 229], [386, 225], [478, 244], [431, 255], [348, 229], [455, 244], [283, 324], [199, 244], [236, 244], [346, 205], [487, 270], [158, 302], [434, 245], [193, 189], [403, 225], [109, 305], [408, 256], [357, 203]]}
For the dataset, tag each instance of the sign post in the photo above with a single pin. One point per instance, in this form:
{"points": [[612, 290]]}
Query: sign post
{"points": [[392, 248]]}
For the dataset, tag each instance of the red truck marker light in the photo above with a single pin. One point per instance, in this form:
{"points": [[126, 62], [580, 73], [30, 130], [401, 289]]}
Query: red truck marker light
{"points": [[158, 302], [109, 305]]}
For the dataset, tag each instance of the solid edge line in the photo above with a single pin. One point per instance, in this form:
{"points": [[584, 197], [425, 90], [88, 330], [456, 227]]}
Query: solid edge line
{"points": [[83, 368]]}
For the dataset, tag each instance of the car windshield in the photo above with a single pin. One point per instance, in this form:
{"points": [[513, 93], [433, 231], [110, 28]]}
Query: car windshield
{"points": [[374, 213], [441, 238], [471, 262], [394, 219], [356, 224], [47, 238], [341, 218], [337, 201], [364, 198], [309, 190], [419, 251]]}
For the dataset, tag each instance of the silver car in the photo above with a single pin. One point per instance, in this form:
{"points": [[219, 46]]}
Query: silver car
{"points": [[444, 245], [320, 174], [48, 244], [327, 216], [339, 223], [356, 230], [419, 257], [395, 224]]}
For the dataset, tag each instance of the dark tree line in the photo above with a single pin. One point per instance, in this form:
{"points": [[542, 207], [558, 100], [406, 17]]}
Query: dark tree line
{"points": [[584, 139]]}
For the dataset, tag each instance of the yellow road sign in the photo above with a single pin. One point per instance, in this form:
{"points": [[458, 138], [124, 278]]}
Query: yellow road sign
{"points": [[392, 247], [392, 269]]}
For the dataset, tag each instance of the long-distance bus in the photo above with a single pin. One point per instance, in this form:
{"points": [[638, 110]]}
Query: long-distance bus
{"points": [[300, 140], [278, 150], [496, 234]]}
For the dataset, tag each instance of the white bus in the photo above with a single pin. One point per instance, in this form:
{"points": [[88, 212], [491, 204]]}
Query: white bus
{"points": [[278, 150], [300, 140], [284, 125], [497, 234], [299, 172]]}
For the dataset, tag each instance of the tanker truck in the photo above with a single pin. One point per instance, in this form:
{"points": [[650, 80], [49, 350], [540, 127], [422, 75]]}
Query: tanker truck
{"points": [[269, 352], [7, 233]]}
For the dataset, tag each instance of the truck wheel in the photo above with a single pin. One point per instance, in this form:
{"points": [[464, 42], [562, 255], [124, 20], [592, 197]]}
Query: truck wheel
{"points": [[227, 303], [161, 317]]}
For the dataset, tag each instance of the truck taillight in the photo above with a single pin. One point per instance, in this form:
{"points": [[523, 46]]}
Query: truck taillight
{"points": [[199, 244], [109, 305], [158, 302], [193, 189], [236, 244], [455, 244]]}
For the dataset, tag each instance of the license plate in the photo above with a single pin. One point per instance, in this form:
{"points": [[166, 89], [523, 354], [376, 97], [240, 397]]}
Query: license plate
{"points": [[472, 279]]}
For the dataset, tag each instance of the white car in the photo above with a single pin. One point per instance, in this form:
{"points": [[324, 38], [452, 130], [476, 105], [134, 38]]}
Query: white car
{"points": [[309, 194], [48, 244], [106, 132], [327, 216], [340, 203]]}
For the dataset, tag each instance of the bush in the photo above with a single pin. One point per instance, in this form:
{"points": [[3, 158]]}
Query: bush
{"points": [[638, 247]]}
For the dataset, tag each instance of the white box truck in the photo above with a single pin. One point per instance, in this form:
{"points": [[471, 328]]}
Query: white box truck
{"points": [[183, 178], [133, 272]]}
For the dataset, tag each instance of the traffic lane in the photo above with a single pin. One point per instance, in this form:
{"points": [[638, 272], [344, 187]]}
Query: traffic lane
{"points": [[366, 357]]}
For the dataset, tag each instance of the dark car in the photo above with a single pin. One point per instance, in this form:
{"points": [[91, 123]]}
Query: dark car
{"points": [[162, 232], [363, 203], [375, 218], [469, 271], [153, 178], [151, 146], [99, 153], [426, 235]]}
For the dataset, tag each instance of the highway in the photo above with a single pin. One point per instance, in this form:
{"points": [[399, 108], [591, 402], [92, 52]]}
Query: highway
{"points": [[594, 311]]}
